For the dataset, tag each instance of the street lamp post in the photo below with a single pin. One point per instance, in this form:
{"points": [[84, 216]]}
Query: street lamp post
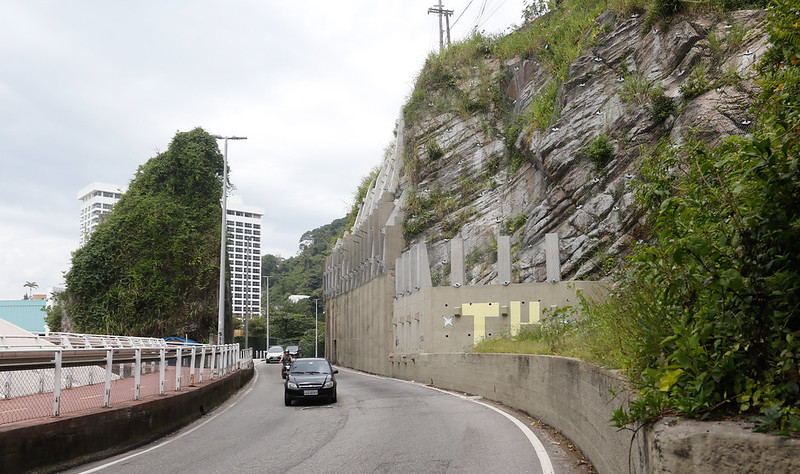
{"points": [[267, 314], [223, 238], [316, 338]]}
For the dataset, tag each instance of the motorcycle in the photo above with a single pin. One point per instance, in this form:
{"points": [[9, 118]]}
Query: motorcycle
{"points": [[285, 369]]}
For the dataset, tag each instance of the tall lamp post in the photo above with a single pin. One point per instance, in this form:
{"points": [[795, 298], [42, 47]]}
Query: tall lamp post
{"points": [[316, 338], [223, 238], [267, 315]]}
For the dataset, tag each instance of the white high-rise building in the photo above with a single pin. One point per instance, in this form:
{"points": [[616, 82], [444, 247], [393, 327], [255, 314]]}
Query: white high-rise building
{"points": [[96, 201], [244, 252], [244, 240]]}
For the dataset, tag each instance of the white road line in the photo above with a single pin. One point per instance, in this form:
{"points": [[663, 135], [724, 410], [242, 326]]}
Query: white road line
{"points": [[103, 466], [541, 453]]}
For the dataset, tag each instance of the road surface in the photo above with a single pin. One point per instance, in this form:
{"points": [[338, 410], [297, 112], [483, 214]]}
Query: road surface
{"points": [[377, 425]]}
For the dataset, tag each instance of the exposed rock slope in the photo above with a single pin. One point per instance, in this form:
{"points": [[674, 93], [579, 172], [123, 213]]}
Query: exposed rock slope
{"points": [[691, 78]]}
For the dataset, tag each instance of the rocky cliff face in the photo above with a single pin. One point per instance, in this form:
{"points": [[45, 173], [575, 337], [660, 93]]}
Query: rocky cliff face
{"points": [[471, 175]]}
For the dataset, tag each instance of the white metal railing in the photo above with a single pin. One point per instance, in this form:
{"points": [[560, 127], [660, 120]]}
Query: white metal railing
{"points": [[72, 368]]}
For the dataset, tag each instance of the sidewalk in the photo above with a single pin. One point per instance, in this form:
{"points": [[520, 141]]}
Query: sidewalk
{"points": [[39, 406]]}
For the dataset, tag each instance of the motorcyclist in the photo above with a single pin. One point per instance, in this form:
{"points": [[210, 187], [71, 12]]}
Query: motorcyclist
{"points": [[286, 359]]}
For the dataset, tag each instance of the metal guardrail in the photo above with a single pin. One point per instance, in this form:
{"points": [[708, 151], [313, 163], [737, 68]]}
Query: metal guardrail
{"points": [[43, 376]]}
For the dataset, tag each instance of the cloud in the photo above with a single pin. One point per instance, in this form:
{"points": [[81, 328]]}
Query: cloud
{"points": [[91, 90]]}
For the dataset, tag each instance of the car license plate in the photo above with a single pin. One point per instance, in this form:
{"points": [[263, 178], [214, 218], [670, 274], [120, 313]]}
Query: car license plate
{"points": [[310, 392]]}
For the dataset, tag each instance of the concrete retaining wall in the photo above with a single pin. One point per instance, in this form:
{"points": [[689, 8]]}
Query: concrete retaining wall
{"points": [[71, 440], [577, 399], [568, 394]]}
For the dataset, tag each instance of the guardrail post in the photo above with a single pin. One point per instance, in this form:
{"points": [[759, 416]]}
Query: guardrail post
{"points": [[223, 360], [191, 369], [202, 363], [137, 377], [161, 370], [212, 361], [178, 364], [109, 364], [7, 385], [57, 384]]}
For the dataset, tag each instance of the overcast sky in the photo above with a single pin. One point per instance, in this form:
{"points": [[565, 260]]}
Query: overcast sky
{"points": [[90, 90]]}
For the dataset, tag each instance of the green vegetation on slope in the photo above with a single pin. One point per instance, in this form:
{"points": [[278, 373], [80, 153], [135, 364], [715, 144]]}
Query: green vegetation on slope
{"points": [[152, 267], [706, 315], [299, 275]]}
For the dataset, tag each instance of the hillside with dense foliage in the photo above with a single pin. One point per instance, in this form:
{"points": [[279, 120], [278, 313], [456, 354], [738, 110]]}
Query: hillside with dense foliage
{"points": [[293, 322], [151, 268]]}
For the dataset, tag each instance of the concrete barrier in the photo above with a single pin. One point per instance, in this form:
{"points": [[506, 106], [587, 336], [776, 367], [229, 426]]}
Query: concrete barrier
{"points": [[59, 443], [577, 399]]}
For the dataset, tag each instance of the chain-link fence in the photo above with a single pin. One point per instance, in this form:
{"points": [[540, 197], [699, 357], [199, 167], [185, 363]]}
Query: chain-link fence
{"points": [[90, 377]]}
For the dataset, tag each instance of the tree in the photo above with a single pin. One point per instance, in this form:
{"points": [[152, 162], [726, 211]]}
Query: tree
{"points": [[152, 267], [301, 274], [31, 285]]}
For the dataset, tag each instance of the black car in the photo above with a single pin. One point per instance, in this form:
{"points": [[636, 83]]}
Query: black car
{"points": [[310, 379], [295, 351]]}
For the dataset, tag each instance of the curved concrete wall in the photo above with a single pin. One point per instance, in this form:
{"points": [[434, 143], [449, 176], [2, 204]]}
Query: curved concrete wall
{"points": [[577, 399], [570, 395], [60, 443]]}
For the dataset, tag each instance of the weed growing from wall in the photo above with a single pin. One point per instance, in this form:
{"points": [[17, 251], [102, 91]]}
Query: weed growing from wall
{"points": [[513, 224], [599, 151]]}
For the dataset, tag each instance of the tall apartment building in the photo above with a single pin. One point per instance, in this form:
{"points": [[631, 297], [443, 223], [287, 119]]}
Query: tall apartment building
{"points": [[244, 252], [96, 201], [244, 240]]}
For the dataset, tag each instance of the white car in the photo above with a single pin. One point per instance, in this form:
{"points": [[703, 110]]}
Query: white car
{"points": [[274, 354]]}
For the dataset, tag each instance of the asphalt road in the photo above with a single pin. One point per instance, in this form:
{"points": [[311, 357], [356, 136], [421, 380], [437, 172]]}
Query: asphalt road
{"points": [[377, 425]]}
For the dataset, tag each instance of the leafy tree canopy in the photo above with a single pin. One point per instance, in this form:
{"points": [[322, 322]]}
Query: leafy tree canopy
{"points": [[300, 275], [707, 314], [151, 268]]}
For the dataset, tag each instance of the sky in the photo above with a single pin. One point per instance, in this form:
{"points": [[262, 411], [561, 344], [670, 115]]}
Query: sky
{"points": [[92, 89]]}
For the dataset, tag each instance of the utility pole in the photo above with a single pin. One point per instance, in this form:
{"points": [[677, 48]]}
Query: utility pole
{"points": [[267, 314], [441, 11], [223, 239]]}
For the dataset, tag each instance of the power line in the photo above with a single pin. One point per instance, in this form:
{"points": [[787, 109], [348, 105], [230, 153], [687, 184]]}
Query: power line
{"points": [[462, 12], [480, 14], [495, 11]]}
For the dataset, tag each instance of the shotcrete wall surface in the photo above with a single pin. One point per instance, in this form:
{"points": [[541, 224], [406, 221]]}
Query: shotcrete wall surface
{"points": [[448, 319], [359, 327], [577, 399]]}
